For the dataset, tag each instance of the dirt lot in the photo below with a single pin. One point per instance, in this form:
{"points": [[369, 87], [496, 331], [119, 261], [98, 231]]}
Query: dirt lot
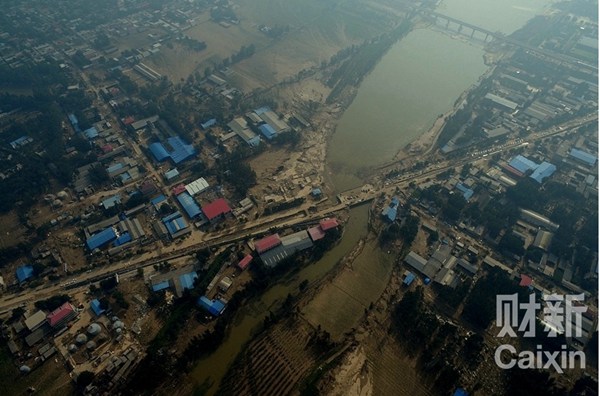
{"points": [[12, 231]]}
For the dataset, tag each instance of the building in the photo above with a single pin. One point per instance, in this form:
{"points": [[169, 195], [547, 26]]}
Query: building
{"points": [[91, 133], [197, 186], [543, 171], [96, 308], [583, 157], [543, 239], [390, 212], [225, 283], [467, 193], [171, 174], [276, 124], [61, 316], [207, 124], [240, 127], [267, 131], [176, 225], [179, 151], [213, 307], [290, 245], [409, 277], [101, 239], [415, 261], [158, 201], [216, 209], [522, 164], [245, 262], [501, 102], [24, 272], [267, 243], [111, 202], [537, 219], [35, 321], [189, 205], [178, 281], [328, 224], [466, 267], [316, 233]]}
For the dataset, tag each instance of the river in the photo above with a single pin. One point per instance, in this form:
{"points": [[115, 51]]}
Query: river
{"points": [[419, 78]]}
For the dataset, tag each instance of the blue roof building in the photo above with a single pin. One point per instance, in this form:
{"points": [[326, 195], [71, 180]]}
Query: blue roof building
{"points": [[460, 392], [522, 164], [115, 167], [100, 239], [95, 306], [110, 202], [91, 133], [181, 150], [585, 157], [189, 205], [155, 201], [123, 239], [316, 192], [160, 286], [74, 122], [22, 141], [171, 174], [254, 141], [209, 123], [24, 272], [467, 192], [390, 213], [158, 152], [543, 171], [176, 225], [262, 110], [267, 131], [410, 277], [214, 307], [187, 280]]}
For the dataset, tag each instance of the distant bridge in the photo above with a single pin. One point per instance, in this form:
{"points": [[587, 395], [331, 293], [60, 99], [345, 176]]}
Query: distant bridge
{"points": [[461, 25]]}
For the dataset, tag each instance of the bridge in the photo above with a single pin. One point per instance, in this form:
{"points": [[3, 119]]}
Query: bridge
{"points": [[462, 25]]}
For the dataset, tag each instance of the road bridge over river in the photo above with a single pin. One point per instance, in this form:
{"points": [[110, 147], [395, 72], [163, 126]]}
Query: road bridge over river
{"points": [[447, 22]]}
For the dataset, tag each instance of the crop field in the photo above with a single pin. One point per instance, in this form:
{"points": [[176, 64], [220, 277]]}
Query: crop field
{"points": [[350, 292], [273, 364]]}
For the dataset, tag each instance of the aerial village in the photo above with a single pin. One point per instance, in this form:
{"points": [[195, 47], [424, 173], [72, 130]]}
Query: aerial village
{"points": [[158, 208]]}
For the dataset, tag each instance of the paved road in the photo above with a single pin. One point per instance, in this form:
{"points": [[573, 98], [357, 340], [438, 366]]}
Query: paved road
{"points": [[279, 221]]}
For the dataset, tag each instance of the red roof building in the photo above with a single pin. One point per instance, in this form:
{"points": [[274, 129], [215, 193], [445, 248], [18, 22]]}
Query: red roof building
{"points": [[512, 170], [61, 315], [316, 233], [327, 224], [216, 209], [245, 262], [128, 120], [267, 243], [107, 148], [526, 281], [178, 189]]}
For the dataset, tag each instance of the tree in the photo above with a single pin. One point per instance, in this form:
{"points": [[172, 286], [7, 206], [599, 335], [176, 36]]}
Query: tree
{"points": [[83, 380], [512, 243]]}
